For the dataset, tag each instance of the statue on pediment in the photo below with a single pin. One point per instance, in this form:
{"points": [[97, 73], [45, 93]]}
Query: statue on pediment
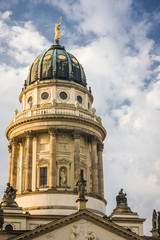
{"points": [[9, 197], [121, 197]]}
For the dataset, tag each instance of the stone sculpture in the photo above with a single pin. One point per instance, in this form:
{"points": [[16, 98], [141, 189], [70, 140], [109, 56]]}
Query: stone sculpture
{"points": [[9, 197], [121, 197]]}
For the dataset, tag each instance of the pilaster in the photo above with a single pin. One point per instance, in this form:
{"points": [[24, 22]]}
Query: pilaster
{"points": [[34, 160], [14, 163], [94, 165], [77, 134], [52, 160], [28, 170], [10, 162], [100, 170]]}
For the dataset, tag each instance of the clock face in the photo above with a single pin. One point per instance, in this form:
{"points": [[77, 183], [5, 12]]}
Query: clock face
{"points": [[44, 95], [79, 99], [63, 95]]}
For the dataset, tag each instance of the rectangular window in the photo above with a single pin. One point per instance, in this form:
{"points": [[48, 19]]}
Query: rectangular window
{"points": [[43, 176]]}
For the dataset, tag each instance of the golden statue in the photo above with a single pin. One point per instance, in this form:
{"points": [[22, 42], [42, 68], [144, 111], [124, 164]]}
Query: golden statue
{"points": [[57, 30]]}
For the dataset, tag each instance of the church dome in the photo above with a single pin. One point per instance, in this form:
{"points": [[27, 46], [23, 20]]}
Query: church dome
{"points": [[56, 63]]}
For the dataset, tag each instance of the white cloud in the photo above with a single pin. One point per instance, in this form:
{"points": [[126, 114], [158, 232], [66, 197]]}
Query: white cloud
{"points": [[117, 62]]}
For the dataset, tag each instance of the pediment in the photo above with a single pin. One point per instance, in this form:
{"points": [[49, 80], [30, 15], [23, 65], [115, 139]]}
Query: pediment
{"points": [[79, 226], [63, 160]]}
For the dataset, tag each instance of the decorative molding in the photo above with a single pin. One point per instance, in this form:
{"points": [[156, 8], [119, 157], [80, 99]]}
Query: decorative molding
{"points": [[63, 161]]}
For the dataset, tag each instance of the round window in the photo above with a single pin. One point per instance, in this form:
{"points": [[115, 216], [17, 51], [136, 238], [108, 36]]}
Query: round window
{"points": [[63, 95], [44, 95], [79, 99]]}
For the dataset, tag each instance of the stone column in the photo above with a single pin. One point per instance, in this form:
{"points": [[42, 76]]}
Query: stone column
{"points": [[76, 135], [13, 178], [34, 160], [20, 166], [28, 170], [10, 162], [100, 170], [52, 160], [94, 165]]}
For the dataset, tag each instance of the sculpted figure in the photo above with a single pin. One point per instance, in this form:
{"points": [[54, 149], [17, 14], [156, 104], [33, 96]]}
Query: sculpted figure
{"points": [[63, 178], [91, 236], [81, 184], [1, 218], [10, 192], [57, 30], [159, 224], [121, 197], [154, 219], [75, 232], [9, 196]]}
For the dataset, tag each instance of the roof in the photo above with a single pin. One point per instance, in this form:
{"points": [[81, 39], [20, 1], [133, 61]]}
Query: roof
{"points": [[104, 223], [56, 63]]}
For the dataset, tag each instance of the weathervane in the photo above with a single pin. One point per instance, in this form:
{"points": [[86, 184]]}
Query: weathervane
{"points": [[57, 31]]}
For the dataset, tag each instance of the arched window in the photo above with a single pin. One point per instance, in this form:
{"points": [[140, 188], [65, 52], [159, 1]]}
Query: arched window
{"points": [[8, 227]]}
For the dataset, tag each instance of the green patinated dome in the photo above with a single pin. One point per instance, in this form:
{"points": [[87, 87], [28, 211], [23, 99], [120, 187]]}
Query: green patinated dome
{"points": [[57, 64]]}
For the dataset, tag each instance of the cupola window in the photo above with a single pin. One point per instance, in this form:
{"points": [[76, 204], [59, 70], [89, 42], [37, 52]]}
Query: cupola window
{"points": [[79, 99], [63, 95], [44, 95]]}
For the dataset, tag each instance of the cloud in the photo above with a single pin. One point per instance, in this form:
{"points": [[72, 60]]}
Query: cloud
{"points": [[21, 42], [118, 62], [122, 67]]}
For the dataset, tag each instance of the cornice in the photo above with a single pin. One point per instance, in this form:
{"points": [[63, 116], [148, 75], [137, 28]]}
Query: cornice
{"points": [[54, 118]]}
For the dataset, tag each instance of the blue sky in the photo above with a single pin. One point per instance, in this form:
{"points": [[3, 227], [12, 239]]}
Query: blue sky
{"points": [[117, 43]]}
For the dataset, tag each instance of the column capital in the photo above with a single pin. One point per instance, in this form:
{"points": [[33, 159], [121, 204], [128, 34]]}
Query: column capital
{"points": [[10, 148], [100, 147], [14, 141], [29, 134], [77, 133], [94, 139], [53, 132]]}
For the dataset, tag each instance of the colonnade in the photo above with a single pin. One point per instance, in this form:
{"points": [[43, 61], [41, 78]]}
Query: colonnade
{"points": [[96, 161]]}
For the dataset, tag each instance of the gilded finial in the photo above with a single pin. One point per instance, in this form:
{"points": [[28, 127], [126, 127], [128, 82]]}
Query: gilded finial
{"points": [[57, 31]]}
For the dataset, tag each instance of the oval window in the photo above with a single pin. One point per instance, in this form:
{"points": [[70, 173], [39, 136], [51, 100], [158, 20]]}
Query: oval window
{"points": [[79, 99], [44, 95], [63, 95]]}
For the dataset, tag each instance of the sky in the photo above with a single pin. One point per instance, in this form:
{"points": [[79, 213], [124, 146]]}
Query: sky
{"points": [[117, 42]]}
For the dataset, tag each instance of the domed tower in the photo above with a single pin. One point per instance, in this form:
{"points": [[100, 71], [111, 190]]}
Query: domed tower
{"points": [[55, 136]]}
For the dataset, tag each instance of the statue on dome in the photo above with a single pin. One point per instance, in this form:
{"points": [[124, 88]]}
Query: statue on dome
{"points": [[121, 197], [57, 31]]}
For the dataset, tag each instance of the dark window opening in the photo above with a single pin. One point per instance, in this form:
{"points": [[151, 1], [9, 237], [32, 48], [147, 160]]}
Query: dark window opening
{"points": [[8, 227], [43, 176]]}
